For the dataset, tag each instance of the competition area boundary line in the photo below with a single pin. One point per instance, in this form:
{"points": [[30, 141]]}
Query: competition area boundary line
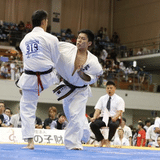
{"points": [[88, 145]]}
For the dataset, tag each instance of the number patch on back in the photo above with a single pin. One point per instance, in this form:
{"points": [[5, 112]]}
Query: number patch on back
{"points": [[32, 48]]}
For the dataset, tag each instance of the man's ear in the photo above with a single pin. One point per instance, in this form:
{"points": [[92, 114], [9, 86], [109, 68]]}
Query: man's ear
{"points": [[89, 43], [42, 22]]}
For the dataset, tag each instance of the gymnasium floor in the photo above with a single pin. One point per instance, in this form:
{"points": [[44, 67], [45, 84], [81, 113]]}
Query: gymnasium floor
{"points": [[58, 152]]}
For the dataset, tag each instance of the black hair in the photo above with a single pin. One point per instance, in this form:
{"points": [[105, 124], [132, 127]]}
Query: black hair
{"points": [[38, 16], [110, 83], [141, 124], [89, 34], [61, 114], [147, 121], [8, 109], [121, 129], [124, 119]]}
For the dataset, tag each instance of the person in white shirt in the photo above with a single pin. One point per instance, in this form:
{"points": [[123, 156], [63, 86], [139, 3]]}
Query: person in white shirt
{"points": [[127, 131], [147, 124], [79, 68], [110, 106], [120, 140], [157, 128], [150, 136], [40, 55]]}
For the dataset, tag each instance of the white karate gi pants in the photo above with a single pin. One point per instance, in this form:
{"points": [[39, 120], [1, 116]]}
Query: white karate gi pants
{"points": [[28, 106], [77, 129]]}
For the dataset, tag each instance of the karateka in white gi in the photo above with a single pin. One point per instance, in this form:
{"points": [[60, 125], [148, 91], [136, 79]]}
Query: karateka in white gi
{"points": [[79, 68], [40, 54]]}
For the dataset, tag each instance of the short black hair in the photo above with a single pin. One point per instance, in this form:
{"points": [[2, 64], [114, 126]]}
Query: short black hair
{"points": [[124, 119], [61, 114], [147, 121], [38, 16], [110, 83], [141, 124], [89, 34]]}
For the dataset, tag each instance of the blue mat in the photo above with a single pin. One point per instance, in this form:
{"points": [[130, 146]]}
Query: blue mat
{"points": [[49, 152]]}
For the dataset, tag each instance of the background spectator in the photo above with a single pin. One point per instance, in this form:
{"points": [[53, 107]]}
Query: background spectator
{"points": [[60, 123], [52, 111], [38, 123], [16, 120], [121, 140], [127, 131], [141, 137], [147, 124], [150, 136]]}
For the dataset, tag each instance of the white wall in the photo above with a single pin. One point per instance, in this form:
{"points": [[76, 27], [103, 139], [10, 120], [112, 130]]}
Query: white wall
{"points": [[133, 99]]}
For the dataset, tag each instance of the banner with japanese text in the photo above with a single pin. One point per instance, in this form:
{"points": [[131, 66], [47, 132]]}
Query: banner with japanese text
{"points": [[14, 135]]}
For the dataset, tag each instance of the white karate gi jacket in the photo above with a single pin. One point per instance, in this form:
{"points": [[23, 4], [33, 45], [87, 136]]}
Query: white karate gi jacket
{"points": [[75, 104], [40, 53]]}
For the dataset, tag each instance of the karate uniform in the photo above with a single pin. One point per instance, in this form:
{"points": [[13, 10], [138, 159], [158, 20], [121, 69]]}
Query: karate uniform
{"points": [[40, 53], [118, 142], [75, 104]]}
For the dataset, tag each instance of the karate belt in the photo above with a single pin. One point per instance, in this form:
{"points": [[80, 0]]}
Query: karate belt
{"points": [[38, 76], [72, 88]]}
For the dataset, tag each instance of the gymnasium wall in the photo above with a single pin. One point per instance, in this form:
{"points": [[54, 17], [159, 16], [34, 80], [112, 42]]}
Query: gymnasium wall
{"points": [[136, 20], [17, 10]]}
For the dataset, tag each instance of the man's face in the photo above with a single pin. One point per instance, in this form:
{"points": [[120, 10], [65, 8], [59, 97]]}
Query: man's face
{"points": [[62, 119], [8, 112], [148, 124], [82, 41], [123, 122], [120, 132], [52, 113], [110, 89]]}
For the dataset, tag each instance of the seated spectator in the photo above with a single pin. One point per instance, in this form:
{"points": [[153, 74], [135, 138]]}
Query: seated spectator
{"points": [[21, 26], [105, 35], [147, 124], [68, 31], [100, 33], [127, 131], [150, 136], [140, 52], [8, 112], [52, 116], [16, 119], [121, 140], [115, 38], [158, 142], [141, 137], [4, 70], [103, 55], [6, 120], [28, 26], [60, 123], [38, 123], [1, 116], [113, 55]]}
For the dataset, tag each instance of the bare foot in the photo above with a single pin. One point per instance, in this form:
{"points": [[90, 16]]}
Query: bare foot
{"points": [[108, 145], [103, 142], [30, 144]]}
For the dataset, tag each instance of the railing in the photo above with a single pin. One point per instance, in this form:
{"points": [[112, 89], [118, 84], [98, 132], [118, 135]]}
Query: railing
{"points": [[133, 81], [147, 46]]}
